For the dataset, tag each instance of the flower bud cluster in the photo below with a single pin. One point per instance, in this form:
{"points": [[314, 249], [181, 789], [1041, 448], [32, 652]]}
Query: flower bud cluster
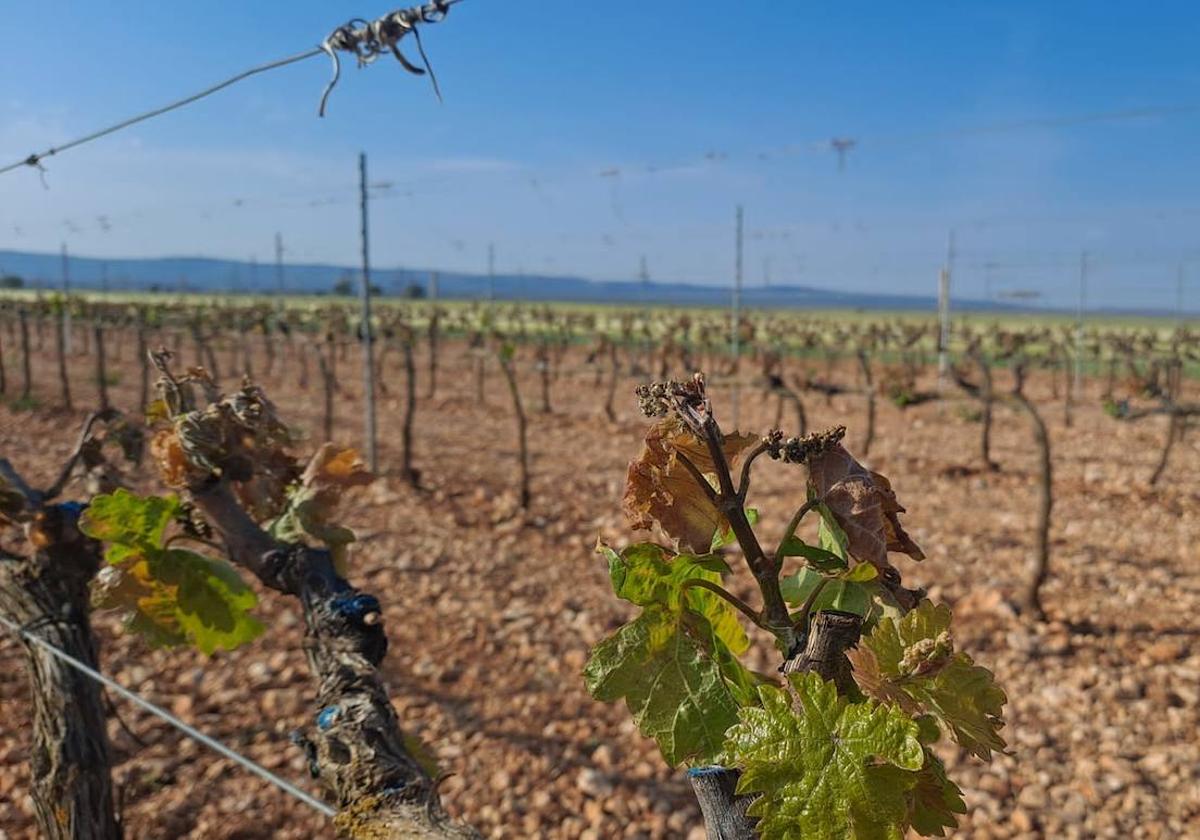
{"points": [[796, 450], [660, 398], [927, 656]]}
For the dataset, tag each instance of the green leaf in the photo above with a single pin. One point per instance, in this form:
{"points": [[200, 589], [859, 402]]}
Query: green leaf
{"points": [[830, 535], [862, 573], [675, 665], [934, 800], [819, 558], [129, 524], [825, 767], [914, 662], [662, 666], [838, 593], [725, 536], [646, 574]]}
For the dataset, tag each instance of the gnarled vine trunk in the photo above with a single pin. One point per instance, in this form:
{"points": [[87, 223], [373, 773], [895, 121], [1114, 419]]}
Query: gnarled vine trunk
{"points": [[1039, 567], [47, 593]]}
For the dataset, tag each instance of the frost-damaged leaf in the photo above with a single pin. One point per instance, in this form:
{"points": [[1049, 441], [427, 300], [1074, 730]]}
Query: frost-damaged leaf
{"points": [[826, 768], [660, 489], [169, 595], [912, 663], [675, 665], [864, 506], [175, 596], [211, 600], [128, 524], [312, 504], [674, 687]]}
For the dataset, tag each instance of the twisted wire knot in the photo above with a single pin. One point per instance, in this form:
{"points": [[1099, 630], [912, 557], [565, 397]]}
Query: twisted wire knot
{"points": [[369, 39]]}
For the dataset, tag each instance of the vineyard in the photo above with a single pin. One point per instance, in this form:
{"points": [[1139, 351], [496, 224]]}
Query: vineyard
{"points": [[1049, 478]]}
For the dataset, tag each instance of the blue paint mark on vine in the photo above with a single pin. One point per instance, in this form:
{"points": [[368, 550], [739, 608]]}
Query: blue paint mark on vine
{"points": [[327, 717], [355, 606]]}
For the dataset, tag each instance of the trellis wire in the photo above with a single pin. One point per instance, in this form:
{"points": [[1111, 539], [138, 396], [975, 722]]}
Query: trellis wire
{"points": [[211, 743], [366, 39]]}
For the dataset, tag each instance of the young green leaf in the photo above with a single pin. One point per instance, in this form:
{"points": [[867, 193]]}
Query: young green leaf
{"points": [[821, 559], [830, 535], [676, 664], [662, 667], [725, 536], [646, 574], [862, 573], [825, 767], [837, 594], [912, 662]]}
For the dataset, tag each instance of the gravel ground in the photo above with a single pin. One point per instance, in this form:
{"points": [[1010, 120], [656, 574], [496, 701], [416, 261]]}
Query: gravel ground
{"points": [[491, 612]]}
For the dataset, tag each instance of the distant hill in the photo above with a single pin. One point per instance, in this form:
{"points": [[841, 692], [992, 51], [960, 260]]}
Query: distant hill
{"points": [[216, 275]]}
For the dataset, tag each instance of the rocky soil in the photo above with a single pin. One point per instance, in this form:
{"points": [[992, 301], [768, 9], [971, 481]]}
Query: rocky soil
{"points": [[491, 612]]}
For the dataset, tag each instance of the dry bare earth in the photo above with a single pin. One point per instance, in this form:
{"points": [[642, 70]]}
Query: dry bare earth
{"points": [[490, 615]]}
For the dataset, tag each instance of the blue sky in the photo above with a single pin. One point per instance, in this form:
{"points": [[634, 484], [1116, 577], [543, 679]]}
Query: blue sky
{"points": [[690, 107]]}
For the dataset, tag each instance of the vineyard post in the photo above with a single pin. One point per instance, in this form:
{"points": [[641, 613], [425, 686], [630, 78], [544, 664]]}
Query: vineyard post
{"points": [[491, 272], [943, 325], [66, 290], [433, 344], [144, 360], [408, 338], [1179, 294], [327, 386], [60, 340], [1079, 314], [279, 265], [735, 315], [101, 367], [26, 376], [368, 356], [543, 367]]}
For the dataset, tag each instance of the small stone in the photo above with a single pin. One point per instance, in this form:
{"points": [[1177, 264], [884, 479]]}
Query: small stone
{"points": [[1021, 821], [593, 783], [1033, 797]]}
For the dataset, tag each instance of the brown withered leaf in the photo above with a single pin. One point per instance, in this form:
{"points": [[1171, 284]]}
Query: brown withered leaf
{"points": [[332, 466], [660, 489], [874, 683], [864, 504], [173, 463], [312, 505]]}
